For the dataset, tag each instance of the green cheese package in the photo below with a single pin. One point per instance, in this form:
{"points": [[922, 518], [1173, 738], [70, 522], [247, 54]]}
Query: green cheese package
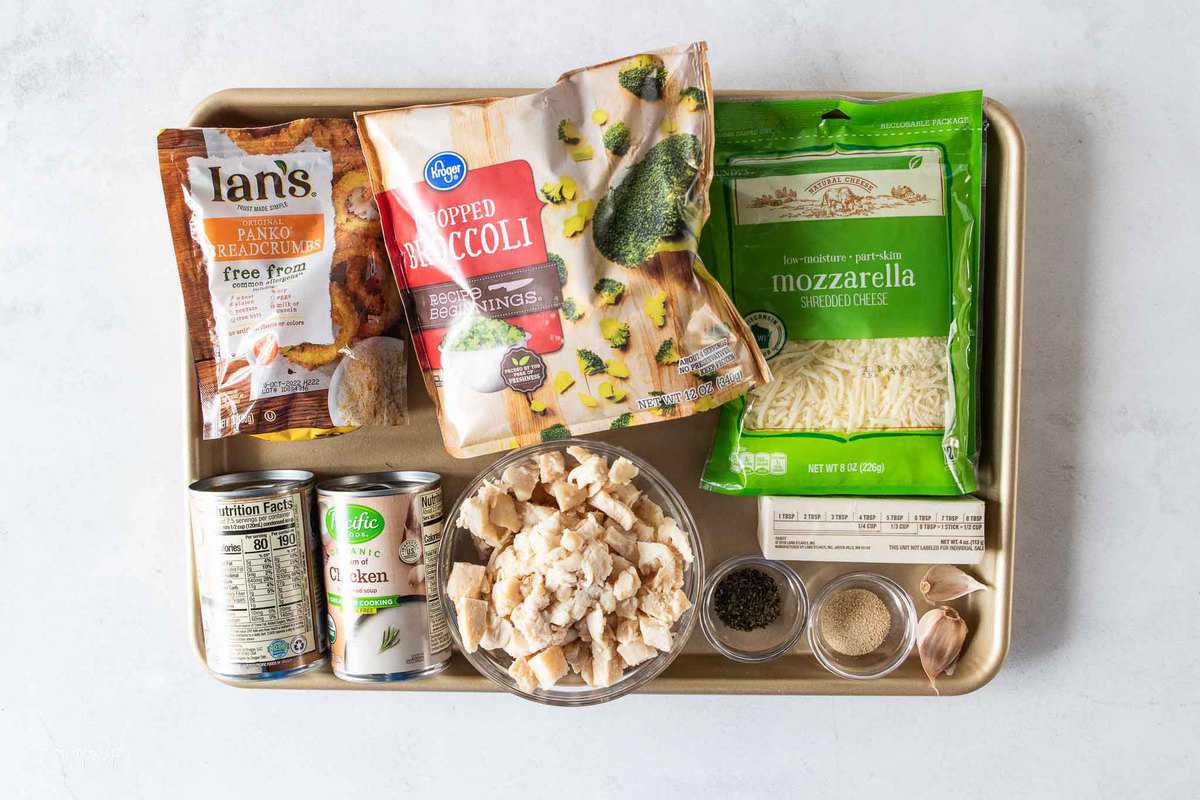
{"points": [[848, 234]]}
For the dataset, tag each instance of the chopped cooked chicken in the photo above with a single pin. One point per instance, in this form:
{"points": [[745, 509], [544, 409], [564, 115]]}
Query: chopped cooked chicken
{"points": [[475, 517], [521, 478], [589, 472], [596, 624], [567, 495], [626, 585], [597, 563], [634, 653], [517, 645], [523, 674], [584, 573], [622, 543], [472, 621], [670, 532], [652, 557], [608, 600], [504, 511], [628, 631], [678, 604], [497, 633], [581, 454], [622, 471], [648, 511], [627, 609], [627, 493], [551, 466], [532, 625], [571, 540], [610, 505], [533, 513], [655, 633], [506, 595], [466, 580]]}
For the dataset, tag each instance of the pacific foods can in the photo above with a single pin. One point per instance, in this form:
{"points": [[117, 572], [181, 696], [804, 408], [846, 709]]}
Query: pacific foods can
{"points": [[380, 535], [261, 601]]}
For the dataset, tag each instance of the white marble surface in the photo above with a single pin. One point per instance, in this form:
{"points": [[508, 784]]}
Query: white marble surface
{"points": [[99, 693]]}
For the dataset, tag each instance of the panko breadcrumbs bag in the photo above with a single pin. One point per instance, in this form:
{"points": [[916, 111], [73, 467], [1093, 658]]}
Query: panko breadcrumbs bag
{"points": [[545, 246], [293, 316]]}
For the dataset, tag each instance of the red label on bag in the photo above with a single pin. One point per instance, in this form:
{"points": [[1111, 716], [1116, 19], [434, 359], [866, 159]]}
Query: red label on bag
{"points": [[449, 246]]}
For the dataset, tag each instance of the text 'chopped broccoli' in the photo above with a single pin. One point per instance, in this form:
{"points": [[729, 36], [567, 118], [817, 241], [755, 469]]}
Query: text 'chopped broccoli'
{"points": [[692, 98], [609, 290], [643, 76], [667, 354], [616, 139], [621, 421], [615, 332], [555, 432], [589, 362], [648, 207]]}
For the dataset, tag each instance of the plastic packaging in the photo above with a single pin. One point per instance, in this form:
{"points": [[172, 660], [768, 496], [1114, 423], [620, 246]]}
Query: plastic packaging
{"points": [[293, 317], [545, 247], [848, 234]]}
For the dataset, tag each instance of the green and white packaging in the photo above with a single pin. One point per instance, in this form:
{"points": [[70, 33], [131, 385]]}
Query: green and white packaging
{"points": [[848, 235]]}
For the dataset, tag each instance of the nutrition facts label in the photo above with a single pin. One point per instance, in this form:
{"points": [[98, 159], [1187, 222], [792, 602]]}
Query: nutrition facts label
{"points": [[254, 575], [431, 535], [881, 530]]}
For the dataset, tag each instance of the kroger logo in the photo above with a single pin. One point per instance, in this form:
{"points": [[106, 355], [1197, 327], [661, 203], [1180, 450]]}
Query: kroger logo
{"points": [[445, 170]]}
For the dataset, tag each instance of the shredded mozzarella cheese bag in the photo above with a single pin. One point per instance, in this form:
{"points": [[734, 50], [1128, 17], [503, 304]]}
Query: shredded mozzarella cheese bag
{"points": [[848, 235]]}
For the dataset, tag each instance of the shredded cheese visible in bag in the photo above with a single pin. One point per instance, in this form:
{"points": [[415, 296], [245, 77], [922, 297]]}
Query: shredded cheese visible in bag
{"points": [[854, 385]]}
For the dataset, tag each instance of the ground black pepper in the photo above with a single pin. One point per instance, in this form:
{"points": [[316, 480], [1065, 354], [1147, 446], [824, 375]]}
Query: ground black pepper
{"points": [[747, 599]]}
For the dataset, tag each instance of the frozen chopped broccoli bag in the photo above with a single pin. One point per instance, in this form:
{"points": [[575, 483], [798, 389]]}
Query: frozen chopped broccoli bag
{"points": [[545, 247], [848, 234]]}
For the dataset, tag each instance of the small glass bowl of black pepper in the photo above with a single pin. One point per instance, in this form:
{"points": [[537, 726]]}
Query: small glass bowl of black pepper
{"points": [[752, 609]]}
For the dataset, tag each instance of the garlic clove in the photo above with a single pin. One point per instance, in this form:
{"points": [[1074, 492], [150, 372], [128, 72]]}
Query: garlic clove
{"points": [[940, 636], [944, 583]]}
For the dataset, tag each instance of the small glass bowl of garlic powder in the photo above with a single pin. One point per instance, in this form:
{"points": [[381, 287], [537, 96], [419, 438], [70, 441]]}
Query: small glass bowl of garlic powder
{"points": [[862, 626]]}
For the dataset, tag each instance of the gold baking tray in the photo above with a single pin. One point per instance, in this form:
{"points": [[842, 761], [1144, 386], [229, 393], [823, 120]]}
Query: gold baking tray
{"points": [[677, 448]]}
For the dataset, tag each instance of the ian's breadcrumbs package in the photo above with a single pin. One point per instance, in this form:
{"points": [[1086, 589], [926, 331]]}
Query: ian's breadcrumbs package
{"points": [[545, 246], [848, 233], [293, 316]]}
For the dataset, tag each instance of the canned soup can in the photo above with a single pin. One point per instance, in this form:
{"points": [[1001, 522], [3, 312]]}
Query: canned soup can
{"points": [[380, 535], [261, 601]]}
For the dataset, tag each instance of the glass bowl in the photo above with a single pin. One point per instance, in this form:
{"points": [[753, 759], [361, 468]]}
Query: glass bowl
{"points": [[458, 545], [763, 644], [897, 643]]}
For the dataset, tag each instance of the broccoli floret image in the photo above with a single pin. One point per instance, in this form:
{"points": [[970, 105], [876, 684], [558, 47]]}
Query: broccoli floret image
{"points": [[647, 206], [667, 354], [692, 98], [643, 76], [610, 291], [555, 432], [616, 139], [615, 332], [621, 421], [589, 362], [560, 266], [570, 310], [567, 132]]}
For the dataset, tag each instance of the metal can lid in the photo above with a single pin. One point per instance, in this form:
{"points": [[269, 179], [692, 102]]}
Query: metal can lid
{"points": [[380, 484], [260, 483]]}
